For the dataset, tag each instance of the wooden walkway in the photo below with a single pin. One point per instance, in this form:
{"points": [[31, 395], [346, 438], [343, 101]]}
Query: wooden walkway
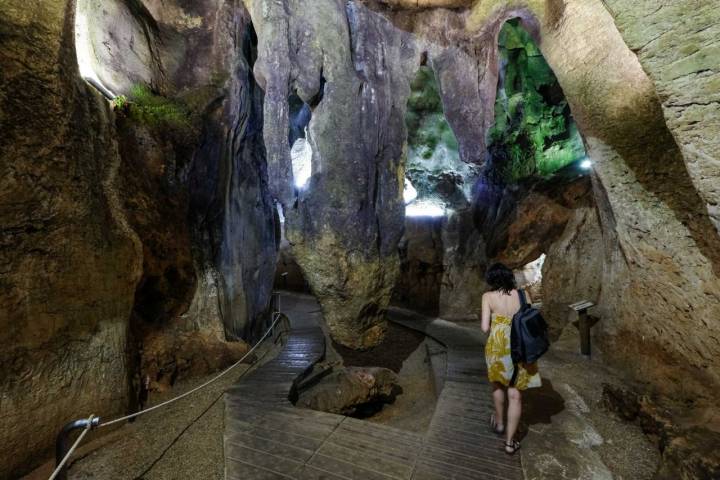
{"points": [[266, 437], [459, 443]]}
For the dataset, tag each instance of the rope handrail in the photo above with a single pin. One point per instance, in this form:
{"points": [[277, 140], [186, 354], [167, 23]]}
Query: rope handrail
{"points": [[95, 422], [199, 387]]}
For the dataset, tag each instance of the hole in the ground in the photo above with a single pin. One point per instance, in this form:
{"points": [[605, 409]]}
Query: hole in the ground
{"points": [[391, 383]]}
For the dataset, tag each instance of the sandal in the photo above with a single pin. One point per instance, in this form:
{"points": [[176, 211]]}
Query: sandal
{"points": [[512, 447], [494, 426]]}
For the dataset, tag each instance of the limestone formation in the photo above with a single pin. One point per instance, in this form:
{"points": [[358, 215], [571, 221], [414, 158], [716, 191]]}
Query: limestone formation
{"points": [[128, 247], [345, 225], [70, 260], [140, 236]]}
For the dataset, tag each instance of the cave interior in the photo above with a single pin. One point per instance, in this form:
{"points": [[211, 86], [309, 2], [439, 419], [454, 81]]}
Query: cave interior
{"points": [[178, 176]]}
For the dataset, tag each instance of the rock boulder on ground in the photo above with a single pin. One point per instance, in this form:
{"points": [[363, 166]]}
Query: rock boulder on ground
{"points": [[350, 390]]}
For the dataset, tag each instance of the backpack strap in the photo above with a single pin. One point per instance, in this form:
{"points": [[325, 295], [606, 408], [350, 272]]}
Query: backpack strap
{"points": [[523, 301]]}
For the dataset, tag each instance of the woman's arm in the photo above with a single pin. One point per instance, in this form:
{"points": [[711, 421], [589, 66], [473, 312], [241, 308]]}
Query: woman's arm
{"points": [[485, 323]]}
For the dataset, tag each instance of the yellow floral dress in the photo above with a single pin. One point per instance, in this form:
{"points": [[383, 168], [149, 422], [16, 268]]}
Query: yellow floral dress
{"points": [[499, 361]]}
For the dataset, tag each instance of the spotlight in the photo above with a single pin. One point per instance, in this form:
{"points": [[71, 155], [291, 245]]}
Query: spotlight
{"points": [[586, 164]]}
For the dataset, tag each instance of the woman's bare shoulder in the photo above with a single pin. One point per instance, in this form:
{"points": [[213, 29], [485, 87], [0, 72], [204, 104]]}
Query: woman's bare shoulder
{"points": [[488, 296]]}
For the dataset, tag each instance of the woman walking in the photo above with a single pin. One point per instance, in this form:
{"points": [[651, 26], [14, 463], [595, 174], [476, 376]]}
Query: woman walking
{"points": [[499, 305]]}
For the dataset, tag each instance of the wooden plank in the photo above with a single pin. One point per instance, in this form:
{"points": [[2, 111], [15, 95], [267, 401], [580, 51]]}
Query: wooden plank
{"points": [[369, 460], [308, 472], [347, 470], [265, 460], [239, 470], [387, 447], [282, 436], [243, 440], [477, 464]]}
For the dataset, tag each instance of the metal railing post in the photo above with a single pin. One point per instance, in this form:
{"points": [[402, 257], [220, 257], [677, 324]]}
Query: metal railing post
{"points": [[61, 443]]}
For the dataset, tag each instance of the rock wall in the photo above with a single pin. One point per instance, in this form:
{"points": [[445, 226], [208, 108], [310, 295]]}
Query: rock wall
{"points": [[660, 275], [676, 43], [465, 260], [69, 260], [573, 268], [135, 242], [421, 265]]}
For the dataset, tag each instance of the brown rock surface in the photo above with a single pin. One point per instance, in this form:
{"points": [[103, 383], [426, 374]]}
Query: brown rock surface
{"points": [[660, 272], [103, 222], [421, 265], [171, 356], [688, 443], [350, 390], [69, 260], [573, 268]]}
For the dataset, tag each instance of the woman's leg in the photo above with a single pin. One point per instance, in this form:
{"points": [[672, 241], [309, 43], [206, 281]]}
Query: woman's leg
{"points": [[514, 411], [499, 399]]}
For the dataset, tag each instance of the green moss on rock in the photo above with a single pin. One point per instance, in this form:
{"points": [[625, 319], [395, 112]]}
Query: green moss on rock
{"points": [[155, 110], [534, 133]]}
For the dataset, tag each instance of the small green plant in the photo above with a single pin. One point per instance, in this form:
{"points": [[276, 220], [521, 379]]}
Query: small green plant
{"points": [[155, 110], [120, 102]]}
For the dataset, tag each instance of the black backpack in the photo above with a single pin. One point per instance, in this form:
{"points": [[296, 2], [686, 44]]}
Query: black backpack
{"points": [[528, 334]]}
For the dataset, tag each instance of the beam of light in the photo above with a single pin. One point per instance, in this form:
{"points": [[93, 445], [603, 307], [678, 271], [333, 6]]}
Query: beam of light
{"points": [[586, 164], [84, 52], [409, 193], [301, 155], [424, 209]]}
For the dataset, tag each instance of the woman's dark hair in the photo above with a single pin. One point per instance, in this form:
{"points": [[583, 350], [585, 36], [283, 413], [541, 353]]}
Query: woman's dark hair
{"points": [[500, 277]]}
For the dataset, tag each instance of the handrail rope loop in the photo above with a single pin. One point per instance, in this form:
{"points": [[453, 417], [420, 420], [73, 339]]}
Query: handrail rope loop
{"points": [[95, 422]]}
